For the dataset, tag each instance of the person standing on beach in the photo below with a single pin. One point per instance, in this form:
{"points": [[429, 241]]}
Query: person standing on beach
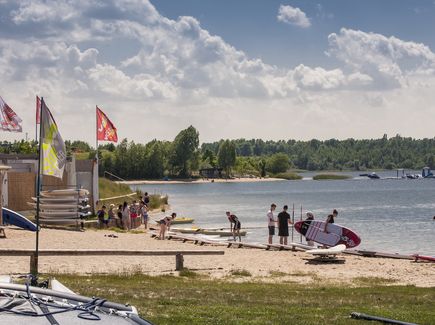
{"points": [[237, 225], [143, 211], [310, 217], [165, 224], [146, 199], [271, 222], [283, 222], [119, 215], [126, 222], [330, 219]]}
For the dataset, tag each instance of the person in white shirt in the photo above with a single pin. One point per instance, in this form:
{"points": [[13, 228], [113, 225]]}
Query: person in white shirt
{"points": [[271, 222]]}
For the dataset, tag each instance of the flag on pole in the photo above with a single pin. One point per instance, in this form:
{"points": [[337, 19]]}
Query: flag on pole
{"points": [[38, 110], [53, 151], [9, 120], [106, 131]]}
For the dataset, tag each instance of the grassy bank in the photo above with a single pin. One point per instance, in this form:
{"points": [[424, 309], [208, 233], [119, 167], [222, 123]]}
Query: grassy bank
{"points": [[321, 177], [191, 299], [288, 176], [109, 188]]}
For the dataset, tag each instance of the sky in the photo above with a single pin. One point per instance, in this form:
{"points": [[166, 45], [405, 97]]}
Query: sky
{"points": [[233, 69]]}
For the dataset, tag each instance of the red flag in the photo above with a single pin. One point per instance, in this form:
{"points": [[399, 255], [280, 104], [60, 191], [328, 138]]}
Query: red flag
{"points": [[106, 131], [9, 120], [38, 110]]}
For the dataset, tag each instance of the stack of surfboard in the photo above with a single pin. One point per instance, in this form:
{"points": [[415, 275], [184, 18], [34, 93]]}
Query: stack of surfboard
{"points": [[62, 207]]}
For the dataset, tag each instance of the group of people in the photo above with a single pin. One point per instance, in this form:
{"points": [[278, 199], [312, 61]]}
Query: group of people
{"points": [[126, 214], [282, 221]]}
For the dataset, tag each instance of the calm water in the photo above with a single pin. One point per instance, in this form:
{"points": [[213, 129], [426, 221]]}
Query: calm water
{"points": [[389, 215]]}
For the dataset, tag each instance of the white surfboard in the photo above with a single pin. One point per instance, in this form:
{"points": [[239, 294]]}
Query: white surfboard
{"points": [[65, 192], [55, 206], [328, 251]]}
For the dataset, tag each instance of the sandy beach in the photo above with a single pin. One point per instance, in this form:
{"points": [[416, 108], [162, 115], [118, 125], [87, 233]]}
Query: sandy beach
{"points": [[269, 266], [202, 180]]}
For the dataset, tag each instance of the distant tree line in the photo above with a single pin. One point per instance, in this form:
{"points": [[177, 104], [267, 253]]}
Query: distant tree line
{"points": [[184, 157], [350, 154]]}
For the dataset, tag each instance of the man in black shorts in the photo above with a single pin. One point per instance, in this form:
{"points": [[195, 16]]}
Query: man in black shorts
{"points": [[283, 222]]}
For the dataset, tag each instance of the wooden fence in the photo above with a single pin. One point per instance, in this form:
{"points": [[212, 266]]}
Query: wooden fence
{"points": [[179, 259]]}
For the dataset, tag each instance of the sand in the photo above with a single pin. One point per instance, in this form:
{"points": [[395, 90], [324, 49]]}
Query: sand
{"points": [[269, 266]]}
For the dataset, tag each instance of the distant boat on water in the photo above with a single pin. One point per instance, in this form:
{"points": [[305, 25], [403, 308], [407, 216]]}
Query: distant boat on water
{"points": [[371, 176]]}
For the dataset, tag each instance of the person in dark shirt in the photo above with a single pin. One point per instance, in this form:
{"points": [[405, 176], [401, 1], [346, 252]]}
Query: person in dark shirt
{"points": [[237, 225], [283, 222], [330, 219], [100, 215]]}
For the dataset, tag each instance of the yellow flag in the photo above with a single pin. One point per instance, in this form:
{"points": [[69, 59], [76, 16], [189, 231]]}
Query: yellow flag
{"points": [[53, 151]]}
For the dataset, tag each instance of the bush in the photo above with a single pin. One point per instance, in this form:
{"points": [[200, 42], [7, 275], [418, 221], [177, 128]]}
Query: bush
{"points": [[321, 177], [288, 176], [278, 163]]}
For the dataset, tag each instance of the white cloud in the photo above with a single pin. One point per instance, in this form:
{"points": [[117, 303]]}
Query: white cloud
{"points": [[293, 16], [388, 60], [155, 75]]}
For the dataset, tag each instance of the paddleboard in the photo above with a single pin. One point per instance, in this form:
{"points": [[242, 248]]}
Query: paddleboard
{"points": [[54, 206], [13, 218], [328, 251], [59, 221], [178, 221], [67, 200], [424, 258], [66, 192], [335, 235], [50, 213]]}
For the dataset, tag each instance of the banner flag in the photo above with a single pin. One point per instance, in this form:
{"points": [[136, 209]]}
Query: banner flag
{"points": [[106, 131], [38, 110], [53, 151], [9, 120]]}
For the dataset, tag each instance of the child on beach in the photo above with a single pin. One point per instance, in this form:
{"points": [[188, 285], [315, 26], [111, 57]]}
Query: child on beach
{"points": [[237, 225], [165, 224], [101, 214]]}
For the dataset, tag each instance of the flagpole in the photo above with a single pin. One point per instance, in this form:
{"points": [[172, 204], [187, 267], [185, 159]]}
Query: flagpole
{"points": [[34, 270], [96, 154]]}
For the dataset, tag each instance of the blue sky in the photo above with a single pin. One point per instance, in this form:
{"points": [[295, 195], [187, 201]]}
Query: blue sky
{"points": [[251, 25], [247, 68]]}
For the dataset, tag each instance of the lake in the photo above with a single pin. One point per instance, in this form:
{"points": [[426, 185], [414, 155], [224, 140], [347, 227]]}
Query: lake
{"points": [[392, 215]]}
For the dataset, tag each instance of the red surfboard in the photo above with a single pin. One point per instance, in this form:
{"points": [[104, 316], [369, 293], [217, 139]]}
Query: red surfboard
{"points": [[334, 235]]}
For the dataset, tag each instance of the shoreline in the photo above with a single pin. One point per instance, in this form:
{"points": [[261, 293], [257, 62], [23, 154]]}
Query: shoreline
{"points": [[262, 264], [201, 181]]}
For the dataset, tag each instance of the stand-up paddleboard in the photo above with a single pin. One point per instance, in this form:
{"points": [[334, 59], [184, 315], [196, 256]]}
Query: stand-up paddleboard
{"points": [[335, 235], [13, 218]]}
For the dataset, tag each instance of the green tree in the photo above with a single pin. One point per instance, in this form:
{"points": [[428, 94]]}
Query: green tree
{"points": [[209, 156], [184, 150], [278, 163], [227, 156]]}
